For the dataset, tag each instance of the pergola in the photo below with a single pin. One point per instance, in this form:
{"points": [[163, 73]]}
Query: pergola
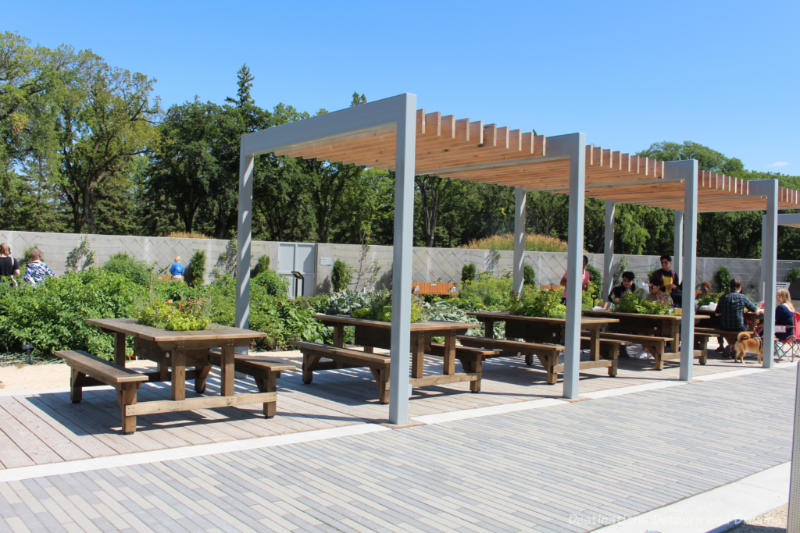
{"points": [[393, 134]]}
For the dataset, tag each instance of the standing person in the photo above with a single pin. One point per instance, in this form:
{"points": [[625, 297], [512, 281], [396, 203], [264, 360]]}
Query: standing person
{"points": [[37, 271], [176, 269], [667, 279], [627, 285], [730, 308], [585, 279], [784, 314], [8, 265]]}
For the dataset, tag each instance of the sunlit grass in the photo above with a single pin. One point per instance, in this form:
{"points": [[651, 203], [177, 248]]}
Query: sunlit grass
{"points": [[533, 243], [186, 235]]}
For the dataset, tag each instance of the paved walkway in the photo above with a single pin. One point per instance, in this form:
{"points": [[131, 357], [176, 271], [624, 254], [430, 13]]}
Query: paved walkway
{"points": [[545, 465]]}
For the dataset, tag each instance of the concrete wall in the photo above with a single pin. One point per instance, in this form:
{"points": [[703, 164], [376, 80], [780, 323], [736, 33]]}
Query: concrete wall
{"points": [[371, 265]]}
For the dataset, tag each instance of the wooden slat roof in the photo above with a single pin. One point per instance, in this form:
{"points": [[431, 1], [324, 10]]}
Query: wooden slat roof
{"points": [[471, 150]]}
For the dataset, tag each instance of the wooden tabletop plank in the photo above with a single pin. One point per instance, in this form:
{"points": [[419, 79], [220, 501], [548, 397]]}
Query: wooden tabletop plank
{"points": [[503, 315], [130, 326], [431, 325]]}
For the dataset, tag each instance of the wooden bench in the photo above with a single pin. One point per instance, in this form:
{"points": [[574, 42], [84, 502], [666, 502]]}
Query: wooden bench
{"points": [[471, 359], [609, 347], [344, 358], [657, 345], [547, 353], [265, 373], [701, 336], [437, 288], [88, 369]]}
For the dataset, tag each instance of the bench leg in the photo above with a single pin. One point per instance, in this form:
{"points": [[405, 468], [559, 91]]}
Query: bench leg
{"points": [[529, 359], [267, 383], [309, 363], [612, 370], [75, 385], [126, 394], [549, 363], [382, 378]]}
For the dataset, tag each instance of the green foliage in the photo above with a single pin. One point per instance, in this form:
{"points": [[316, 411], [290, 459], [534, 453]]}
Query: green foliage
{"points": [[52, 316], [136, 271], [468, 272], [539, 303], [340, 276], [261, 265], [486, 292], [528, 275], [594, 275], [705, 299], [793, 274], [187, 315], [380, 308], [195, 274], [81, 256], [274, 284], [722, 277], [632, 302]]}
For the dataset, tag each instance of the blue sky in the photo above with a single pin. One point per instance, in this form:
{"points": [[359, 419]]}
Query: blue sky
{"points": [[724, 74]]}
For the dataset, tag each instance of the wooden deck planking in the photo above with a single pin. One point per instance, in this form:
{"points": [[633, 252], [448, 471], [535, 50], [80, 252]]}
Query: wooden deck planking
{"points": [[61, 445], [29, 443]]}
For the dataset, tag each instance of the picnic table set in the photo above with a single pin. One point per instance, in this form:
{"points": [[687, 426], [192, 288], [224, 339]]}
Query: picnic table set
{"points": [[191, 355]]}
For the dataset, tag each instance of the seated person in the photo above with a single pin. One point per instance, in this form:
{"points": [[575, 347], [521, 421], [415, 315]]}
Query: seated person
{"points": [[667, 279], [657, 294], [784, 314], [627, 285], [730, 308]]}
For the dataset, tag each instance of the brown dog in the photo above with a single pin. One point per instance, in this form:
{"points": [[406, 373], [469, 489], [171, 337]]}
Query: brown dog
{"points": [[747, 342]]}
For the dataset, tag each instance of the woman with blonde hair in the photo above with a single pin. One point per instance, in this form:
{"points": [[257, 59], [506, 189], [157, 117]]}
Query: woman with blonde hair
{"points": [[784, 314]]}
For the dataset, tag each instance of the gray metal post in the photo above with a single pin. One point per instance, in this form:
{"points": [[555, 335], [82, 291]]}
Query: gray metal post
{"points": [[677, 243], [608, 250], [402, 253], [520, 197], [573, 146], [244, 238], [769, 251], [793, 523], [687, 170], [762, 287]]}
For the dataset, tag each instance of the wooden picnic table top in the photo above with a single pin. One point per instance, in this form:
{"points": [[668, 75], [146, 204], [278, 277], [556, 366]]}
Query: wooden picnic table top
{"points": [[618, 314], [416, 327], [130, 326], [505, 315]]}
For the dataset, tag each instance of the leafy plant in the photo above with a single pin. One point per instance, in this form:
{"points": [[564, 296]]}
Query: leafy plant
{"points": [[705, 299], [486, 292], [273, 283], [380, 308], [195, 275], [136, 271], [793, 274], [534, 302], [340, 276], [632, 302], [188, 315], [468, 272], [261, 265], [528, 275], [594, 275], [723, 279]]}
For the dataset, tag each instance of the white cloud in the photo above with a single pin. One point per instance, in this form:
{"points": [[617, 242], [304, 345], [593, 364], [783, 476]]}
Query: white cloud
{"points": [[780, 164]]}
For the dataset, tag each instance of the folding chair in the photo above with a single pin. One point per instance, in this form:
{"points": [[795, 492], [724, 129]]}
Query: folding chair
{"points": [[791, 343]]}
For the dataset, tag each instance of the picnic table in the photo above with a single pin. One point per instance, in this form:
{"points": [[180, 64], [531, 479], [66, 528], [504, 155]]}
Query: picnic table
{"points": [[645, 324], [174, 351], [376, 334], [543, 329]]}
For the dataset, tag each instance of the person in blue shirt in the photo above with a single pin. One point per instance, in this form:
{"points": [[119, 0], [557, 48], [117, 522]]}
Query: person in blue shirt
{"points": [[176, 269], [37, 270]]}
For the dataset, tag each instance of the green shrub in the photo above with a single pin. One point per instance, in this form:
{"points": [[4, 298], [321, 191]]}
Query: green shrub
{"points": [[632, 302], [528, 276], [723, 279], [273, 283], [261, 265], [195, 274], [186, 315], [486, 292], [539, 303], [793, 274], [81, 257], [594, 275], [130, 268], [468, 272], [340, 276]]}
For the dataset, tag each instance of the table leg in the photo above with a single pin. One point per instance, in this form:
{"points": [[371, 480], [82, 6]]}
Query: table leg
{"points": [[488, 328], [417, 356], [228, 370], [178, 374], [449, 354], [595, 340], [119, 348]]}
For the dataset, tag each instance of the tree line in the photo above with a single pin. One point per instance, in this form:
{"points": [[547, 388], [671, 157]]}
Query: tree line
{"points": [[88, 148]]}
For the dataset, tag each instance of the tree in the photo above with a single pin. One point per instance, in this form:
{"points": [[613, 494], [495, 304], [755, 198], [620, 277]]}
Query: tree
{"points": [[431, 189], [104, 122]]}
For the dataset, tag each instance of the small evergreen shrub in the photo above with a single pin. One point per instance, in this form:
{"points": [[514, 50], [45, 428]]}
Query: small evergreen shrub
{"points": [[273, 283], [723, 280], [261, 265], [195, 275], [793, 274], [341, 275], [81, 257], [528, 276], [468, 272]]}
